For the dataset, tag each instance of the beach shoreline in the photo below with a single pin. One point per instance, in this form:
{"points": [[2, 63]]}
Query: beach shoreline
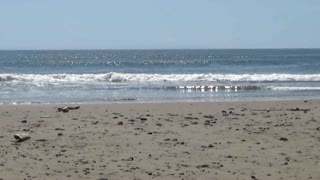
{"points": [[243, 99], [164, 140]]}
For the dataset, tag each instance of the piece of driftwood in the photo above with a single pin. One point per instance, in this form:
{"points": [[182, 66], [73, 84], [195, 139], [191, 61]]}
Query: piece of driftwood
{"points": [[21, 137], [75, 107], [298, 109], [66, 109]]}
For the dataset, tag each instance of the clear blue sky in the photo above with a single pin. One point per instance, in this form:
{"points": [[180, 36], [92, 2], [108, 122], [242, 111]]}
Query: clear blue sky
{"points": [[154, 24]]}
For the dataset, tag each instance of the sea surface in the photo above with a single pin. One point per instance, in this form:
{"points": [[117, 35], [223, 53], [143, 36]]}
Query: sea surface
{"points": [[89, 76]]}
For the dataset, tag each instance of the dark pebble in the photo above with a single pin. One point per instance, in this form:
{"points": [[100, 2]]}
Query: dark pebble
{"points": [[203, 166], [283, 139], [253, 177], [59, 129], [94, 122]]}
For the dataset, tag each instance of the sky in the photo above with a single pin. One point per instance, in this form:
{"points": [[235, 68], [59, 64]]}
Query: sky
{"points": [[159, 24]]}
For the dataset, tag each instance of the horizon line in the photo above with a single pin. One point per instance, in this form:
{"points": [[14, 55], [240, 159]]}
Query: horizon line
{"points": [[115, 49]]}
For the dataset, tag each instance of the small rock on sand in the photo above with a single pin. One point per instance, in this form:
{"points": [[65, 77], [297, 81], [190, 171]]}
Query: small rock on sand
{"points": [[21, 137], [283, 139]]}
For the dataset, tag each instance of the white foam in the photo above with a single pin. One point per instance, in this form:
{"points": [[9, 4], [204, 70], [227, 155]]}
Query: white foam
{"points": [[287, 88], [126, 77]]}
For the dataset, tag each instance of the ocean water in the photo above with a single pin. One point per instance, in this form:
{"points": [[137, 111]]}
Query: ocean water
{"points": [[85, 76]]}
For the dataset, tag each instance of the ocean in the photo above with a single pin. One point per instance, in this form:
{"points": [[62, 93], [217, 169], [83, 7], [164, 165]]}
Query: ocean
{"points": [[91, 76]]}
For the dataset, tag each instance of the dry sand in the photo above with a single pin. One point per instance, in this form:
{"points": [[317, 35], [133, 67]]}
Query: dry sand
{"points": [[232, 140]]}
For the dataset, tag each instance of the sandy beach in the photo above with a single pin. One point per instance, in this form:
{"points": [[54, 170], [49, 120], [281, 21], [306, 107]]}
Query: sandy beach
{"points": [[227, 140]]}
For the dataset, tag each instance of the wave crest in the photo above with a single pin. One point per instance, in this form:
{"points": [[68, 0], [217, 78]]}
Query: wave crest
{"points": [[127, 77]]}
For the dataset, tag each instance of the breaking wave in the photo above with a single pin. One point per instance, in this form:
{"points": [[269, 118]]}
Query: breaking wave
{"points": [[128, 77]]}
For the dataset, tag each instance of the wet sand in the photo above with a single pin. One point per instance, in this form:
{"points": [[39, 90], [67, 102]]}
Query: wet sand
{"points": [[230, 140]]}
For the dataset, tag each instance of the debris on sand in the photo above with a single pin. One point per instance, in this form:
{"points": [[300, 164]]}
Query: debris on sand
{"points": [[67, 108], [21, 137]]}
